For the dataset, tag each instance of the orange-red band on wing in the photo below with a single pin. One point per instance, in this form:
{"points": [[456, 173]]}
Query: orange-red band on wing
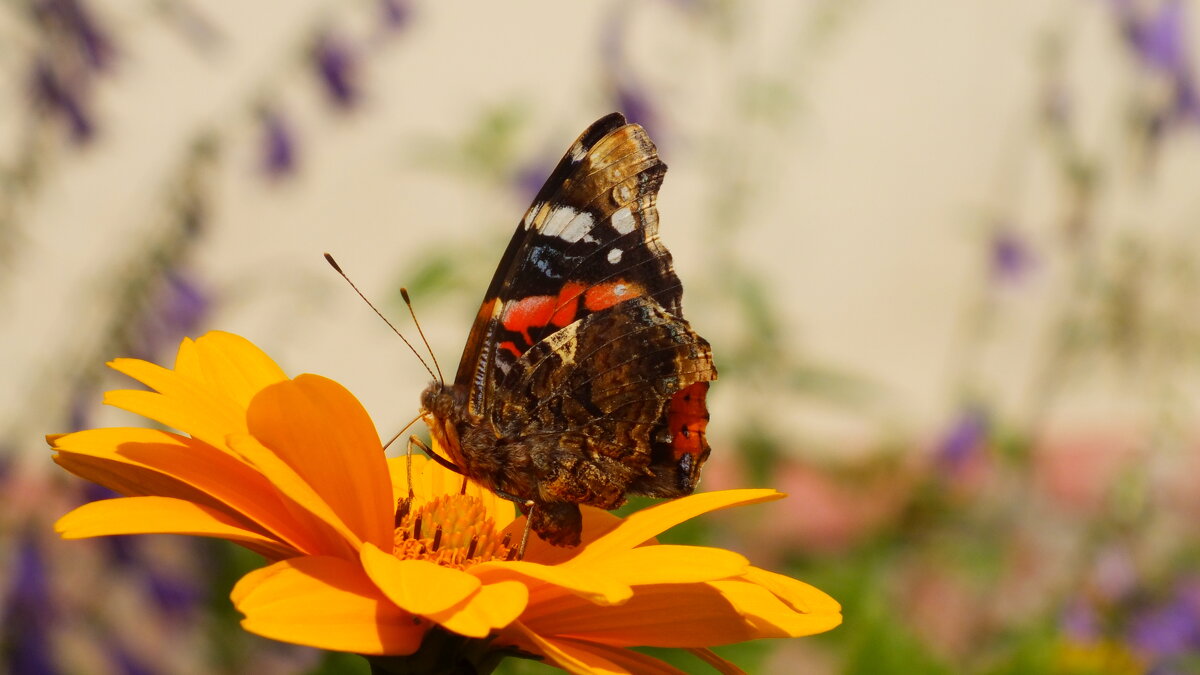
{"points": [[609, 293], [687, 418], [543, 310]]}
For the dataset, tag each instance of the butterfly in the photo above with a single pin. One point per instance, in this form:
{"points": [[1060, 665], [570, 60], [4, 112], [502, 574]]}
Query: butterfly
{"points": [[580, 382]]}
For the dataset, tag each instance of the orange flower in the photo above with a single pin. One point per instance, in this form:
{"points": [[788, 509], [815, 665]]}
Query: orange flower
{"points": [[294, 469]]}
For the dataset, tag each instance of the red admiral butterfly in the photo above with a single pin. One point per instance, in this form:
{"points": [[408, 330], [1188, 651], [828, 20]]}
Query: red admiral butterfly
{"points": [[580, 382]]}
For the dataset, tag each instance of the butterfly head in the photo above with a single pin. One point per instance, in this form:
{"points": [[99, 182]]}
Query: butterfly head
{"points": [[443, 407]]}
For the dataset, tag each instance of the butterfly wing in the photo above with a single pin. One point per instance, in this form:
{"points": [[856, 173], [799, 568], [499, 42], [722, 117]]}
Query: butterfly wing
{"points": [[588, 241], [609, 405]]}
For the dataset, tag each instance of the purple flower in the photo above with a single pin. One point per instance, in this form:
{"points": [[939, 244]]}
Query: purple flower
{"points": [[528, 179], [337, 68], [1160, 39], [27, 611], [396, 14], [965, 436], [1168, 630], [62, 97], [634, 103], [173, 593], [75, 20], [177, 308], [1011, 257], [1160, 43], [278, 145]]}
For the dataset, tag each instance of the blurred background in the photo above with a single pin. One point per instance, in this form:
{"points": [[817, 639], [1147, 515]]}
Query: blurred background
{"points": [[946, 254]]}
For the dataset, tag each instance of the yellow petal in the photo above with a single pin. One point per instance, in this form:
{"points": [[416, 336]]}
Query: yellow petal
{"points": [[207, 395], [328, 603], [675, 615], [155, 462], [796, 594], [493, 607], [328, 534], [663, 564], [769, 616], [160, 515], [230, 364], [418, 586], [650, 522], [596, 588], [581, 657], [195, 413], [323, 433]]}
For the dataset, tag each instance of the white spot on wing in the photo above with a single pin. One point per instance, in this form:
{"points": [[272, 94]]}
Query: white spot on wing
{"points": [[577, 152], [619, 289], [614, 256], [623, 221], [568, 224], [531, 213]]}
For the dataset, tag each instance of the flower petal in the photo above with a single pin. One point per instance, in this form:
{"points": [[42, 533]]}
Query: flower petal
{"points": [[652, 521], [576, 656], [674, 615], [796, 594], [325, 602], [417, 586], [493, 607], [663, 564], [154, 462], [328, 534], [159, 515], [770, 616], [186, 408], [230, 364], [596, 588], [311, 420]]}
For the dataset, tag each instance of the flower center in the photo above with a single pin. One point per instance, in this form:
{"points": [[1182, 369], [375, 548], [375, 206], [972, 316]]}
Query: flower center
{"points": [[451, 530]]}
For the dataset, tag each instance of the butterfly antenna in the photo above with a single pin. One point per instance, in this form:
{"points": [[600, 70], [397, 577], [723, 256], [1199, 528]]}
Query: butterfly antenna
{"points": [[333, 263], [408, 302]]}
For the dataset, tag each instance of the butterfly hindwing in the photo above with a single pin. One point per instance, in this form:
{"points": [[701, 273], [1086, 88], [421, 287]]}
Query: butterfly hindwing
{"points": [[616, 380]]}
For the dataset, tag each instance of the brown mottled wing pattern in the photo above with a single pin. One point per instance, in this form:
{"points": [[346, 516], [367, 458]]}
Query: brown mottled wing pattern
{"points": [[598, 392], [589, 241]]}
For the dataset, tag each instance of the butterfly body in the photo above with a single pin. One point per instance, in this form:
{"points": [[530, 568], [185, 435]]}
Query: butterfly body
{"points": [[580, 382]]}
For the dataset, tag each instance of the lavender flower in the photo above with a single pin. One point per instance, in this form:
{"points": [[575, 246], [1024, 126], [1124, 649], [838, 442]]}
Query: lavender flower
{"points": [[74, 19], [1168, 630], [634, 103], [278, 145], [1011, 258], [396, 14], [27, 612], [965, 436], [1160, 42], [338, 69], [63, 97], [177, 308]]}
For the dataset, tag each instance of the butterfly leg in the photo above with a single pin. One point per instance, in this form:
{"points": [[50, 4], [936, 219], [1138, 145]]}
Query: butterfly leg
{"points": [[531, 508], [446, 464]]}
